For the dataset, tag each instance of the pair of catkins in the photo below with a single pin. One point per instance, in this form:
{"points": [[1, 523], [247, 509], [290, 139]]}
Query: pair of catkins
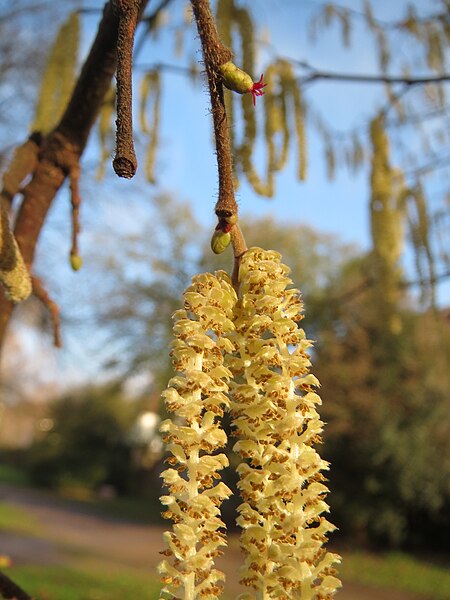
{"points": [[246, 355]]}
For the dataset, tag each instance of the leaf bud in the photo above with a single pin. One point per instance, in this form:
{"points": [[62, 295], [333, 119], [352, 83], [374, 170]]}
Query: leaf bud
{"points": [[76, 262], [220, 241], [235, 79]]}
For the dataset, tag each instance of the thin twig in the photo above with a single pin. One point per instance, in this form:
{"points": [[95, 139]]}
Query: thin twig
{"points": [[125, 163], [318, 75], [75, 200], [41, 293], [214, 55], [148, 23]]}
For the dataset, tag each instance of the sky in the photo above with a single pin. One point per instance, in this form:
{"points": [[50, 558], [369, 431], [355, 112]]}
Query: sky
{"points": [[186, 162]]}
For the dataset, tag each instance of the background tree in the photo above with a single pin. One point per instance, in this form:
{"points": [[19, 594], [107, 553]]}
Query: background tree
{"points": [[358, 308], [87, 444]]}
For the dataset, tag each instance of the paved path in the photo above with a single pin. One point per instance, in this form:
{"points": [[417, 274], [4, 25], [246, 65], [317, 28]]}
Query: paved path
{"points": [[70, 530]]}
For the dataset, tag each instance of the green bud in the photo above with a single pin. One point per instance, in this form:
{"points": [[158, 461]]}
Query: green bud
{"points": [[76, 262], [220, 241], [235, 79]]}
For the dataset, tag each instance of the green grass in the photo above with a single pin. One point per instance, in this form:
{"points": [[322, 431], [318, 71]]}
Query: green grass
{"points": [[72, 583], [146, 511], [13, 475], [396, 570], [17, 520]]}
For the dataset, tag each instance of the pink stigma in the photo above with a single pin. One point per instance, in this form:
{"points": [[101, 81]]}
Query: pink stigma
{"points": [[257, 89]]}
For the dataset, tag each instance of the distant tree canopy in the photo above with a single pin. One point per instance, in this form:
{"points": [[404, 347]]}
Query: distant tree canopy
{"points": [[385, 389], [86, 445]]}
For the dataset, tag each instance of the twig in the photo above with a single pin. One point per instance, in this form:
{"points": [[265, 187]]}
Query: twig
{"points": [[317, 75], [148, 23], [41, 293], [214, 55], [10, 590], [75, 200], [125, 163]]}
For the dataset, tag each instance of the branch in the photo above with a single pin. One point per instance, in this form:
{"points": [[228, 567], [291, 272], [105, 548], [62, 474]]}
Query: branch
{"points": [[10, 590], [214, 55], [63, 147], [41, 293], [437, 162], [369, 282], [317, 75], [125, 163], [149, 23]]}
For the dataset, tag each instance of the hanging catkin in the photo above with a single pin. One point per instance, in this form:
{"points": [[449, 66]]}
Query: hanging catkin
{"points": [[59, 76]]}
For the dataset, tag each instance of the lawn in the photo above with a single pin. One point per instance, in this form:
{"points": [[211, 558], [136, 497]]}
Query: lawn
{"points": [[72, 583], [17, 520], [397, 570], [84, 577]]}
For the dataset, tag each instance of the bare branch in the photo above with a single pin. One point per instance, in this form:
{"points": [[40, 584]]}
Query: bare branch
{"points": [[319, 75], [41, 293], [214, 55], [125, 163]]}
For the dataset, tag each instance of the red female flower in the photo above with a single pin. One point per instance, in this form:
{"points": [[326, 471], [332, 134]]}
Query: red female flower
{"points": [[257, 89], [239, 81]]}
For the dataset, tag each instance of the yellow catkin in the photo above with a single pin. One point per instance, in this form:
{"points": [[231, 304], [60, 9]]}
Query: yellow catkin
{"points": [[224, 20], [291, 87], [282, 102], [276, 120], [23, 163], [330, 157], [197, 396], [150, 101], [58, 77], [14, 275], [273, 409], [231, 19], [434, 47], [387, 221], [420, 235], [106, 131]]}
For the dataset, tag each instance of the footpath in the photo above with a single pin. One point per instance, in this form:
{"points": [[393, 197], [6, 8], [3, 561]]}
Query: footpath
{"points": [[66, 529]]}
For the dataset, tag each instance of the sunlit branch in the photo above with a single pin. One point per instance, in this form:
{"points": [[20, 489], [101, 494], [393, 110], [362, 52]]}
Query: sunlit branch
{"points": [[125, 163], [216, 54]]}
